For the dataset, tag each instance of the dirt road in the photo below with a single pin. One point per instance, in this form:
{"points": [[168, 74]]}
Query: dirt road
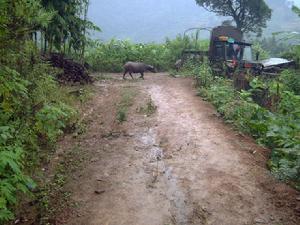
{"points": [[181, 165]]}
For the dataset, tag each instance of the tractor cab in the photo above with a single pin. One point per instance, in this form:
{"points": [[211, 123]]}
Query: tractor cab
{"points": [[226, 43], [227, 49]]}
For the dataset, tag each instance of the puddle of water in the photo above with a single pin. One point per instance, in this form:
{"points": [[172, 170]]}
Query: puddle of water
{"points": [[176, 197]]}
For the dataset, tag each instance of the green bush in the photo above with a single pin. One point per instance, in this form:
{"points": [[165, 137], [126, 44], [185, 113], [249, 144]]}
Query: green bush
{"points": [[203, 75], [122, 115], [220, 93], [52, 119], [13, 178], [34, 110], [263, 54], [111, 56], [278, 130], [31, 112], [126, 101], [291, 80]]}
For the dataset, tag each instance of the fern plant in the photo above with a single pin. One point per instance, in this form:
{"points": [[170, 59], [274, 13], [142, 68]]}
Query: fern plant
{"points": [[31, 104]]}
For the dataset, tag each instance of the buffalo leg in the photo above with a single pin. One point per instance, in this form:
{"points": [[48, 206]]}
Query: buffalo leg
{"points": [[142, 76], [124, 75], [131, 75]]}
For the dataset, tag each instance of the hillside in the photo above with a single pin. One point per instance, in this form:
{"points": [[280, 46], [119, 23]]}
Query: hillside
{"points": [[283, 19], [153, 20]]}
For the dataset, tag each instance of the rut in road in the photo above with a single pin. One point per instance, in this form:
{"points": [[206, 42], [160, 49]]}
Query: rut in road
{"points": [[181, 165]]}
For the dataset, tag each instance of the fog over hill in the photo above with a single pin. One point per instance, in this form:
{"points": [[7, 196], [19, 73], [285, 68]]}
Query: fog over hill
{"points": [[154, 20]]}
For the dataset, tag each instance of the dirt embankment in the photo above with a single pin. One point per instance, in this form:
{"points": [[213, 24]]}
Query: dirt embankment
{"points": [[180, 165]]}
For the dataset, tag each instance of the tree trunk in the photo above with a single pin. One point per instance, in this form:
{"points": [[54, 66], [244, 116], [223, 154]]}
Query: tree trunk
{"points": [[84, 31], [45, 44], [50, 44], [238, 23], [42, 41], [64, 46], [35, 39], [69, 47]]}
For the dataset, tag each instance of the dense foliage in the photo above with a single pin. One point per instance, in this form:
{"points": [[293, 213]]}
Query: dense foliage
{"points": [[33, 110], [67, 29], [111, 56], [274, 46], [278, 129], [249, 16]]}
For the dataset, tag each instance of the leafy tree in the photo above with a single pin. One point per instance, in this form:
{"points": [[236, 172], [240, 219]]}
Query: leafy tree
{"points": [[263, 54], [68, 25], [249, 16], [276, 45], [296, 10]]}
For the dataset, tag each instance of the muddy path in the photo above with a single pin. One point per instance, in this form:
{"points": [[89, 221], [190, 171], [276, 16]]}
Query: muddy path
{"points": [[180, 165]]}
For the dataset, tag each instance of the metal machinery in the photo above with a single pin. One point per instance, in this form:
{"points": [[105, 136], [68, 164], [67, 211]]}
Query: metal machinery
{"points": [[228, 52]]}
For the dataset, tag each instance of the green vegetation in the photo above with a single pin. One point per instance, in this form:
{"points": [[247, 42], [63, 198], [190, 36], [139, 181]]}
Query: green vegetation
{"points": [[53, 198], [273, 46], [291, 81], [66, 31], [127, 98], [263, 54], [111, 56], [249, 16], [149, 108], [278, 129], [34, 110]]}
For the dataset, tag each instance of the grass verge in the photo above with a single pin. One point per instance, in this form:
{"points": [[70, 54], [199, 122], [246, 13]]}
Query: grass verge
{"points": [[127, 98]]}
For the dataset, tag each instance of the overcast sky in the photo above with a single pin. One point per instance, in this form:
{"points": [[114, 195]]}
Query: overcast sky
{"points": [[153, 20], [147, 20]]}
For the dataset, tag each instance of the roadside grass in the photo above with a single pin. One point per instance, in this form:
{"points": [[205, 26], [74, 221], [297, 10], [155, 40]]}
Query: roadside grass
{"points": [[77, 96], [53, 198], [149, 109], [49, 198], [103, 76], [78, 93], [74, 97], [127, 97]]}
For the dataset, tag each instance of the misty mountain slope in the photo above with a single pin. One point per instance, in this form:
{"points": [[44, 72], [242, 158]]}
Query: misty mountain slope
{"points": [[153, 20], [283, 19]]}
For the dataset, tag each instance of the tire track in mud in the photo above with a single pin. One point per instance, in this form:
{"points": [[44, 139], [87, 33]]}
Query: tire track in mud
{"points": [[162, 173]]}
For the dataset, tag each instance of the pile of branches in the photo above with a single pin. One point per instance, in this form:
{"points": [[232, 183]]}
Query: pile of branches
{"points": [[73, 72]]}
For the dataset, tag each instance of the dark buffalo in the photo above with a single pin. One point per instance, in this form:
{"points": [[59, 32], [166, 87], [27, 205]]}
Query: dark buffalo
{"points": [[137, 67]]}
